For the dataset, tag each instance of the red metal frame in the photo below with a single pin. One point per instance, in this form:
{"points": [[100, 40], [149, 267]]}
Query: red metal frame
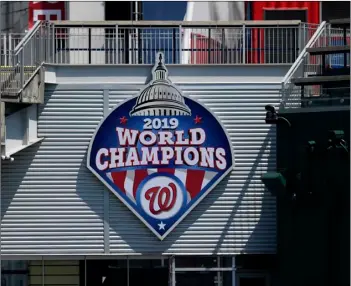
{"points": [[258, 11], [45, 10]]}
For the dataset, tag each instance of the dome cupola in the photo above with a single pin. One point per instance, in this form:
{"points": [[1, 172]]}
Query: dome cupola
{"points": [[160, 97]]}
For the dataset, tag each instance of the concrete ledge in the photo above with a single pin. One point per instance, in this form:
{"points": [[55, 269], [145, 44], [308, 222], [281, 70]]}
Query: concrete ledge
{"points": [[329, 50], [315, 80], [14, 151], [180, 74]]}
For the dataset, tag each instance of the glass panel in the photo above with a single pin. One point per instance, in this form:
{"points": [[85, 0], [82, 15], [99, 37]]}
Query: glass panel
{"points": [[147, 276], [225, 278], [107, 272], [252, 281], [226, 261], [14, 273], [198, 261], [193, 278], [115, 272], [14, 280]]}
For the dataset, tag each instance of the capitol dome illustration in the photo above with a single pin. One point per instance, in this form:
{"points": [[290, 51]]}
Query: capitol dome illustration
{"points": [[160, 98]]}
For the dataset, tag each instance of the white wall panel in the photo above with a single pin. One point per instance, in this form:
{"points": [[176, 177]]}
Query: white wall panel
{"points": [[50, 202], [52, 205]]}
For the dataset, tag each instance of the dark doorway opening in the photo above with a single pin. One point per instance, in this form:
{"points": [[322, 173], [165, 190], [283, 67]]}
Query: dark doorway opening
{"points": [[289, 14], [118, 42], [282, 44], [335, 10], [118, 10]]}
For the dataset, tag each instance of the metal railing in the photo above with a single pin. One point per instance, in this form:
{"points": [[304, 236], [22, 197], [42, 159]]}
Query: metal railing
{"points": [[308, 65], [125, 42], [21, 62], [319, 96], [7, 43], [330, 37], [182, 42]]}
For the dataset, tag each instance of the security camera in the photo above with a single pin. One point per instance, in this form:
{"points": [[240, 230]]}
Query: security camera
{"points": [[270, 108], [272, 116]]}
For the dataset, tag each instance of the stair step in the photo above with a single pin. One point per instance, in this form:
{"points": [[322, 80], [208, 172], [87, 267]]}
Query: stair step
{"points": [[328, 50], [340, 22], [316, 80]]}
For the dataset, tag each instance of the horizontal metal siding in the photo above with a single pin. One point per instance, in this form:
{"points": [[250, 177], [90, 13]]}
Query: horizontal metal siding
{"points": [[238, 216], [51, 202]]}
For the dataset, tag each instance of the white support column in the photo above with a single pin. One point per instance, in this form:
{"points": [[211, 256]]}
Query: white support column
{"points": [[172, 271], [233, 271]]}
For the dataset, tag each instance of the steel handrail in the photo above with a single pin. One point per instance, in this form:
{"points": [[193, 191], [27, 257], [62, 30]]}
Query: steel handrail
{"points": [[193, 24], [27, 37], [304, 53]]}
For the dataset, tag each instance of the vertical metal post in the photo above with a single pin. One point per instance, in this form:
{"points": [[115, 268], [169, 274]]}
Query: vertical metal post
{"points": [[223, 41], [180, 44], [42, 271], [174, 54], [22, 68], [5, 51], [300, 41], [117, 45], [219, 276], [89, 45], [54, 59], [233, 271], [173, 272], [130, 46], [209, 46], [127, 270], [10, 50], [244, 44]]}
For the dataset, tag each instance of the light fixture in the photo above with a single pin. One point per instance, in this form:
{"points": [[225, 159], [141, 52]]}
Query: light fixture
{"points": [[272, 116], [275, 182]]}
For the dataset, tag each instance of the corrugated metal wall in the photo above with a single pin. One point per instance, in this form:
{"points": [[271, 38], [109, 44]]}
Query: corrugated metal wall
{"points": [[52, 204], [14, 16]]}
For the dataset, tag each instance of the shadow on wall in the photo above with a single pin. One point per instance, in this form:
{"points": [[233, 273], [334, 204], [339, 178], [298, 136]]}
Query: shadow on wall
{"points": [[267, 213], [127, 230], [134, 237], [13, 173], [261, 233]]}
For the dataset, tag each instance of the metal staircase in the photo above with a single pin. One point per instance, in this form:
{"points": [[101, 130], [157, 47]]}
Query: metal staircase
{"points": [[320, 77], [22, 89], [21, 80]]}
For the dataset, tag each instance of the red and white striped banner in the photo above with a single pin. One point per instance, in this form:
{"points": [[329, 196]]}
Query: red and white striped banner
{"points": [[129, 181]]}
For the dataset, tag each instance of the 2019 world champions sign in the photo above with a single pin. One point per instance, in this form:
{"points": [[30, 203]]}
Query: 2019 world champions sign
{"points": [[160, 153]]}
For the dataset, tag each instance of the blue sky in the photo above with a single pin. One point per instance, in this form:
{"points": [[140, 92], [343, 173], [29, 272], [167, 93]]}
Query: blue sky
{"points": [[164, 10]]}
